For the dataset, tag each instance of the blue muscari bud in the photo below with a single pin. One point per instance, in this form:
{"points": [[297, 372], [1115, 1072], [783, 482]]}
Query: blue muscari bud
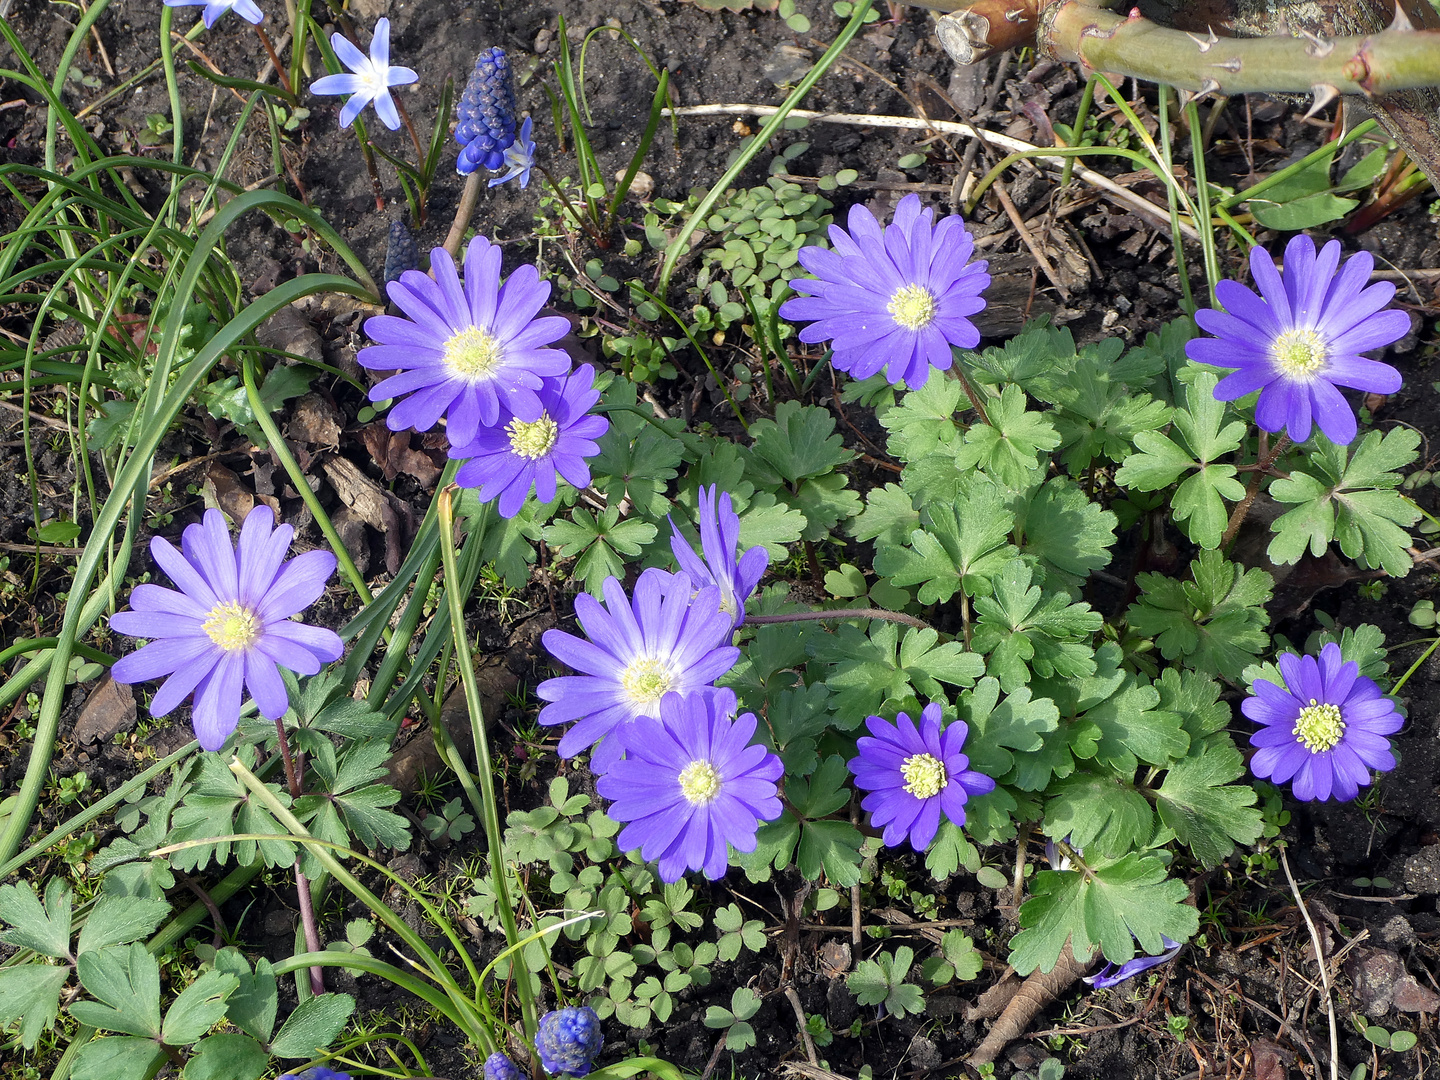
{"points": [[401, 252], [486, 113], [500, 1067], [568, 1040]]}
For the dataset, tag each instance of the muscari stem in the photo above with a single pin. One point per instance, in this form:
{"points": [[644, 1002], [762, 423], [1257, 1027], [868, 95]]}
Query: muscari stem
{"points": [[463, 213], [1397, 58]]}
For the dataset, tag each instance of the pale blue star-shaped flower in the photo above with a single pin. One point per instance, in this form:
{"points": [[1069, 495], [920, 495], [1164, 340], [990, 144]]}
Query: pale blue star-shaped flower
{"points": [[371, 78], [519, 159], [246, 9]]}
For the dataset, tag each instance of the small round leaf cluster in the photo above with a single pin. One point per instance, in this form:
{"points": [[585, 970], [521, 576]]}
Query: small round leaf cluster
{"points": [[486, 113], [568, 1040]]}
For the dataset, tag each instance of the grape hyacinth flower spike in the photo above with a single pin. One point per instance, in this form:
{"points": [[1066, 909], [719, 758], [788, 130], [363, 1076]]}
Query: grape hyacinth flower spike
{"points": [[246, 9], [568, 1040], [370, 79], [229, 626], [692, 786], [500, 1067], [1112, 974], [485, 114], [1302, 337], [914, 775], [519, 159], [896, 298], [716, 564], [1324, 730], [466, 353], [513, 457], [670, 638]]}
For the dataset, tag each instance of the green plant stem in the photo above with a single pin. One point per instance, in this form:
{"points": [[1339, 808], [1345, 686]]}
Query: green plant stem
{"points": [[486, 806], [1173, 194], [297, 478], [677, 246], [1264, 459], [280, 70], [1203, 215], [1077, 131], [29, 645], [302, 883]]}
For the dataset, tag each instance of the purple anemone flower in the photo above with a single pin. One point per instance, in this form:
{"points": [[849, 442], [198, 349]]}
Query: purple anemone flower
{"points": [[229, 625], [915, 775], [507, 460], [670, 638], [246, 9], [371, 78], [567, 1040], [1111, 974], [465, 353], [895, 299], [692, 786], [1302, 337], [519, 159], [1326, 727], [716, 564]]}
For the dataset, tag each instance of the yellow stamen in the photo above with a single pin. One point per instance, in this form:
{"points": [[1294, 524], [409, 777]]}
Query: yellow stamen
{"points": [[232, 626], [472, 355], [1319, 727], [912, 306], [533, 439], [699, 782], [924, 775], [646, 681], [1299, 353]]}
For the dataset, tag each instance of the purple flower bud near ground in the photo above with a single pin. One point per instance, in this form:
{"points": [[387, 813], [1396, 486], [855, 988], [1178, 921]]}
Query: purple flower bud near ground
{"points": [[401, 251], [1110, 974], [568, 1040], [486, 113]]}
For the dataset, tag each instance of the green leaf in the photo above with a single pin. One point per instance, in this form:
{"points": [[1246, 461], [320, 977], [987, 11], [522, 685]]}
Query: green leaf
{"points": [[882, 982], [950, 850], [200, 1006], [117, 920], [219, 805], [1022, 630], [353, 804], [1302, 213], [769, 524], [1354, 502], [313, 1026], [1102, 413], [825, 501], [1195, 698], [800, 442], [1128, 726], [228, 1057], [637, 458], [599, 543], [831, 847], [1102, 814], [127, 979], [253, 1004], [959, 958], [1009, 447], [997, 727], [889, 517], [1215, 622], [1109, 904], [964, 545], [924, 422], [1158, 463], [1067, 532], [45, 929], [864, 673], [1200, 423], [30, 993], [123, 1058], [824, 792], [1204, 809]]}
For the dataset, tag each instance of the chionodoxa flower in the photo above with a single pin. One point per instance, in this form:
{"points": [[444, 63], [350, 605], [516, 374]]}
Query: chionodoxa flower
{"points": [[896, 299], [229, 626], [692, 785], [369, 80], [1324, 730], [916, 774], [1302, 337]]}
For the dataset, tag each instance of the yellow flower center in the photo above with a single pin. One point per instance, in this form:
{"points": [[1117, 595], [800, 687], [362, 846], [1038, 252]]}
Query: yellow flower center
{"points": [[1299, 353], [232, 626], [699, 782], [646, 681], [912, 306], [1319, 727], [472, 355], [924, 774], [533, 439]]}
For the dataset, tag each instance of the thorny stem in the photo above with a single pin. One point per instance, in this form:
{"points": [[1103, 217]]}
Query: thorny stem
{"points": [[280, 72], [841, 613], [302, 883], [1262, 464]]}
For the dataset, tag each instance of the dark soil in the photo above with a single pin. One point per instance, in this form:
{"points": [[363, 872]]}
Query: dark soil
{"points": [[1241, 1002]]}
